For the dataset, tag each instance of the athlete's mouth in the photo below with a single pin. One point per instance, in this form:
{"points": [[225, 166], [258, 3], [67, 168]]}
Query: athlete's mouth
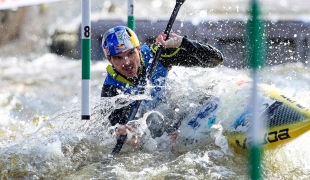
{"points": [[128, 68]]}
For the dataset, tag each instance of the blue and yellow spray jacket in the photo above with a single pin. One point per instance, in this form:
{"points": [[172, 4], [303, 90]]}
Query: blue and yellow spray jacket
{"points": [[189, 54]]}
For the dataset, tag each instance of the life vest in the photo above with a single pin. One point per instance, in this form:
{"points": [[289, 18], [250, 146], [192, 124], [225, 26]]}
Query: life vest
{"points": [[158, 80]]}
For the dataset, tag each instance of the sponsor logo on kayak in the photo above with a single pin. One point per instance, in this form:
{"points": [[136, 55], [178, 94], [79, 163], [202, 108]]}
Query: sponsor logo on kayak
{"points": [[271, 137], [211, 106]]}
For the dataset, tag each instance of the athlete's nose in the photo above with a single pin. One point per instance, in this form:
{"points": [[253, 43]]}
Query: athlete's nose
{"points": [[126, 60]]}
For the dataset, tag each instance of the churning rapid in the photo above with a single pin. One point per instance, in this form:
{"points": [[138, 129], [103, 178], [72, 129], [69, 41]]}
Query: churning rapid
{"points": [[42, 134]]}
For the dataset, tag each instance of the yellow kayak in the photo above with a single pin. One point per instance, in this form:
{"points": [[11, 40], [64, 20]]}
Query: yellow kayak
{"points": [[285, 120]]}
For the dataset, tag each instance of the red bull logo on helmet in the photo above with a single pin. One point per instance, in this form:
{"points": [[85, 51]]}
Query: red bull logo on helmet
{"points": [[120, 48]]}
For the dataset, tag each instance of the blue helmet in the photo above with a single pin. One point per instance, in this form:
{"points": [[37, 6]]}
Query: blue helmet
{"points": [[118, 40]]}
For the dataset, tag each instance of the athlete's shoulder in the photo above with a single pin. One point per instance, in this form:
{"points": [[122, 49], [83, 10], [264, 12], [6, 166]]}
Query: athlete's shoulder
{"points": [[146, 51], [109, 80]]}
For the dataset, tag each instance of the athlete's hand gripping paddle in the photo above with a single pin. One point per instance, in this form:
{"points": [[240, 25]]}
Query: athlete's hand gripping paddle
{"points": [[134, 110]]}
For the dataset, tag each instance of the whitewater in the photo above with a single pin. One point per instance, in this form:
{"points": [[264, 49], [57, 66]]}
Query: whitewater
{"points": [[42, 135]]}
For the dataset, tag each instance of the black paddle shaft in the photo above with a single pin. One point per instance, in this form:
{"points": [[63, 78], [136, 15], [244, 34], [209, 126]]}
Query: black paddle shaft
{"points": [[134, 110]]}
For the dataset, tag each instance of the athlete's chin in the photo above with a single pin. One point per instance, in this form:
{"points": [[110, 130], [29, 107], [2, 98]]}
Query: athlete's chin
{"points": [[130, 74]]}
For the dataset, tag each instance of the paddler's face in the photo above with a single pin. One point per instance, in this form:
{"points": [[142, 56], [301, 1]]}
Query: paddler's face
{"points": [[127, 63]]}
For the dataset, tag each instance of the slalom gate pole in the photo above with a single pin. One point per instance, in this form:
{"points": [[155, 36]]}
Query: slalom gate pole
{"points": [[86, 54], [131, 17], [256, 57]]}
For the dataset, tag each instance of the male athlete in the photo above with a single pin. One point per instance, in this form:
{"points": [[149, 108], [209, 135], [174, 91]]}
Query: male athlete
{"points": [[129, 65]]}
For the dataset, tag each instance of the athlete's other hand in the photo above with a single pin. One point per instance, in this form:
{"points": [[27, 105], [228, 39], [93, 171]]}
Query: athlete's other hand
{"points": [[174, 40]]}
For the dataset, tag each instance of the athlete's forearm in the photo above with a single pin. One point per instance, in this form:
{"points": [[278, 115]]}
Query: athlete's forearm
{"points": [[207, 55], [191, 53]]}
